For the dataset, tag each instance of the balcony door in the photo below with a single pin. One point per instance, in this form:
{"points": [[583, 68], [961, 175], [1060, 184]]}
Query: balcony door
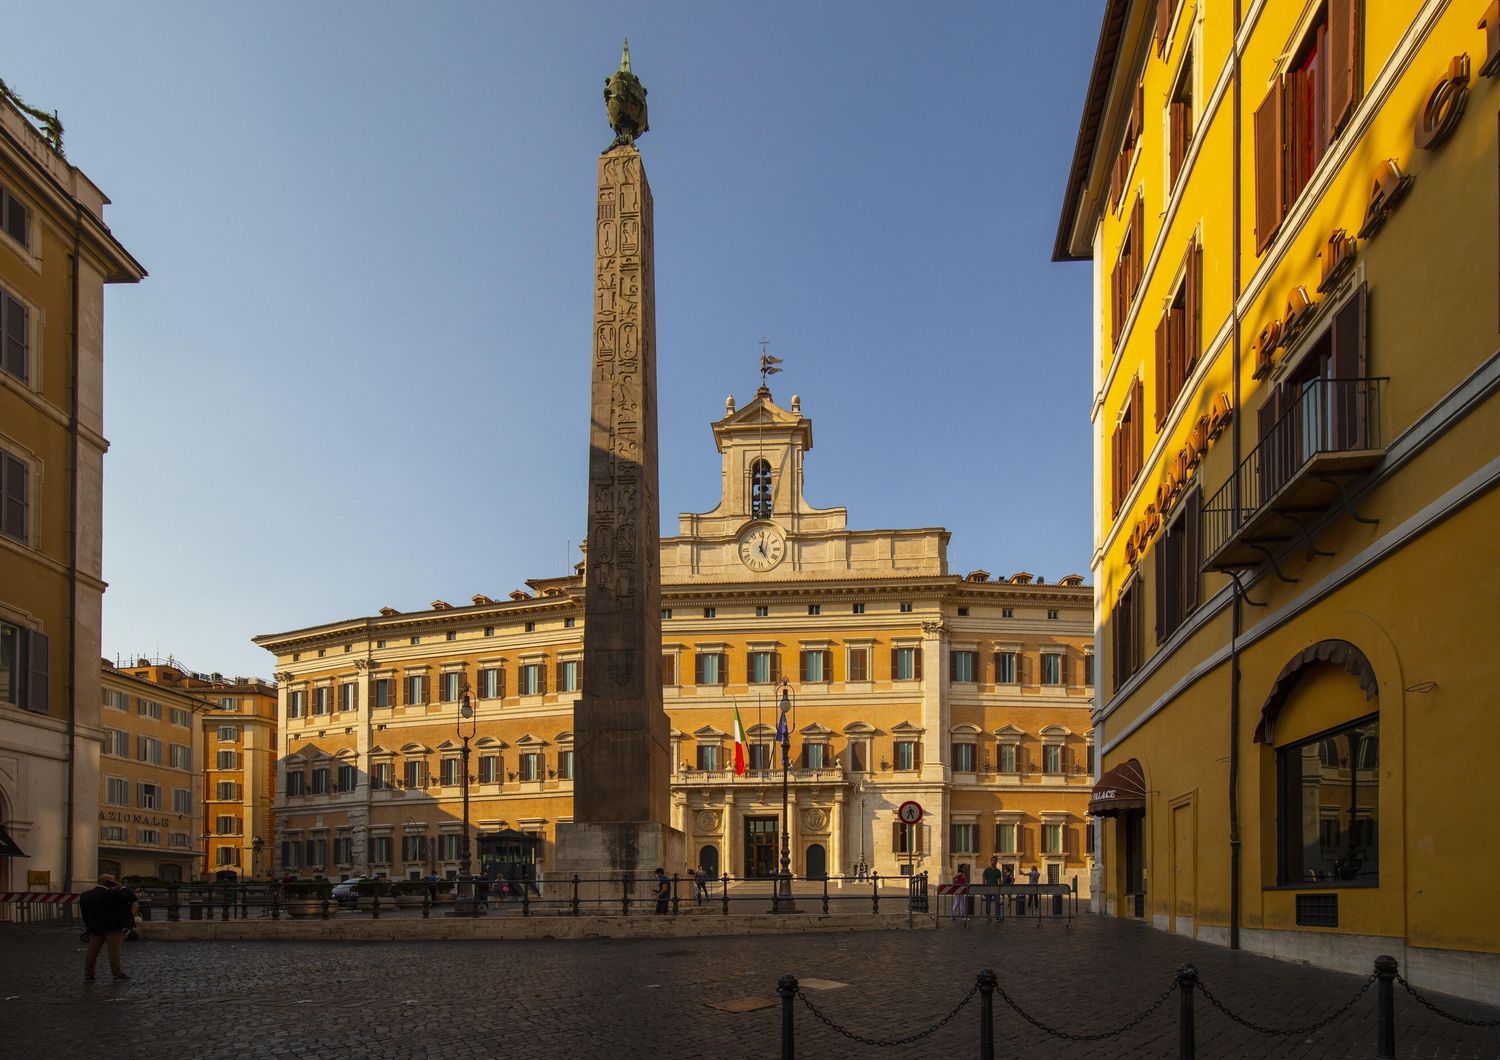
{"points": [[760, 846]]}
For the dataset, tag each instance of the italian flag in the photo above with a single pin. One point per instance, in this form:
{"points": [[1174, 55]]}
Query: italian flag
{"points": [[739, 743]]}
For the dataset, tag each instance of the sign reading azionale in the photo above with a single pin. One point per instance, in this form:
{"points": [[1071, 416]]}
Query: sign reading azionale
{"points": [[119, 817]]}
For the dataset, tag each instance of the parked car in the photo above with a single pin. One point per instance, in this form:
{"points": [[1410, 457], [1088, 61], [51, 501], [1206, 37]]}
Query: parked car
{"points": [[347, 893]]}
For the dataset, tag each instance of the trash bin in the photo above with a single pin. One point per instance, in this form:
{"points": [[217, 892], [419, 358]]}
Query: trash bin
{"points": [[195, 909]]}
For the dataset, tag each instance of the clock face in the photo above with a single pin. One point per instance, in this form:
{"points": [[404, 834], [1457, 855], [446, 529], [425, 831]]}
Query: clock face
{"points": [[762, 547]]}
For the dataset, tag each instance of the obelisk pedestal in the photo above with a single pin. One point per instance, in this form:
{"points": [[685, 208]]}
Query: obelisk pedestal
{"points": [[621, 817]]}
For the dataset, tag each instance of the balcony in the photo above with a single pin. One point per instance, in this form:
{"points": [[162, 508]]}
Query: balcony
{"points": [[1331, 433]]}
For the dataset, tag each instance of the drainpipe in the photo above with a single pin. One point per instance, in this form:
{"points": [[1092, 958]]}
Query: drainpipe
{"points": [[1234, 384], [72, 561]]}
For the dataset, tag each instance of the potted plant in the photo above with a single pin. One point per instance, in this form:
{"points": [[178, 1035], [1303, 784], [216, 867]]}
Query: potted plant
{"points": [[305, 897]]}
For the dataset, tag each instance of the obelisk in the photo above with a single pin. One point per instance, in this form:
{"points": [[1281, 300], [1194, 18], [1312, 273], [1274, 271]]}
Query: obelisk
{"points": [[621, 819]]}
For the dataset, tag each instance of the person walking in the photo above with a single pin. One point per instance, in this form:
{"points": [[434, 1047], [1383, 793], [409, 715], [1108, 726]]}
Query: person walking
{"points": [[106, 915], [700, 886], [1008, 879], [1033, 876], [663, 891], [991, 897], [960, 886]]}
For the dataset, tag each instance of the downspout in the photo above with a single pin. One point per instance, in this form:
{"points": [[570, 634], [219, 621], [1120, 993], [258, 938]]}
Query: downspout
{"points": [[72, 559], [1234, 385]]}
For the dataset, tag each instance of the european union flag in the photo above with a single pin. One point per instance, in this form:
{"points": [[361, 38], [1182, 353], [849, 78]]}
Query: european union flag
{"points": [[783, 737]]}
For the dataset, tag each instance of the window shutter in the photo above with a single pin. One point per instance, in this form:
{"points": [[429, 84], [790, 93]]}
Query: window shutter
{"points": [[1160, 563], [13, 497], [1137, 427], [541, 677], [916, 662], [1194, 303], [1270, 167], [775, 667], [1137, 114], [1116, 494], [1343, 61], [1176, 352], [1137, 250], [1163, 24], [952, 666], [1163, 390], [1349, 429], [1193, 515], [36, 652], [895, 653], [896, 836], [749, 666], [802, 666], [697, 668], [1117, 177]]}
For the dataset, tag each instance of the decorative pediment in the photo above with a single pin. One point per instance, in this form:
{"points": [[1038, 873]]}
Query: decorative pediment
{"points": [[906, 728], [489, 743], [415, 748], [380, 752], [1071, 580], [965, 730], [1009, 732], [708, 732], [450, 745], [761, 730], [1056, 730], [530, 742], [565, 738], [859, 728], [345, 754], [815, 730]]}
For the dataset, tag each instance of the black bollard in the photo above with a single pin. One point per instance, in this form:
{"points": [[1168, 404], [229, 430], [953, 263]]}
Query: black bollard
{"points": [[525, 899], [1385, 1008], [174, 910], [1187, 980], [787, 988], [726, 894], [326, 904], [375, 903], [874, 892], [575, 894], [987, 984], [426, 906], [675, 908]]}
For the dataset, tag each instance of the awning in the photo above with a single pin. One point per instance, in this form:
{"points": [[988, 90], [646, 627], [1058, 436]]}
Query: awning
{"points": [[8, 848], [1120, 788], [1332, 652]]}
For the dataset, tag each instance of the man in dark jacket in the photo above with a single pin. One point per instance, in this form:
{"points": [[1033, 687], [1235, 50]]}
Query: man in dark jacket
{"points": [[106, 915]]}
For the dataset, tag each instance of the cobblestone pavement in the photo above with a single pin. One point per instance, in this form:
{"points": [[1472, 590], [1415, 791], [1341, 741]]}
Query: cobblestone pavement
{"points": [[629, 998]]}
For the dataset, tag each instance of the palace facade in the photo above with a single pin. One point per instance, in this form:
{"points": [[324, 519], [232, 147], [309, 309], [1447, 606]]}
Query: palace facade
{"points": [[56, 255], [967, 695], [1291, 210]]}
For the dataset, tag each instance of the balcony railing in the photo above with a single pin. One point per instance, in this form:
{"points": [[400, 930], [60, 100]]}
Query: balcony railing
{"points": [[1333, 429]]}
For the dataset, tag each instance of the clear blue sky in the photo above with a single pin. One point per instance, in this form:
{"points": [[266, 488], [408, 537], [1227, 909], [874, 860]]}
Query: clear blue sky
{"points": [[357, 374]]}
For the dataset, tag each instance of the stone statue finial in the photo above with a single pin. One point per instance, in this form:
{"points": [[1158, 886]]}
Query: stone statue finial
{"points": [[625, 103], [729, 405]]}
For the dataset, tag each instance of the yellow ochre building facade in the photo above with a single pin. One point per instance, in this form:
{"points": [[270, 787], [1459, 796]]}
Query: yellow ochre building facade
{"points": [[965, 694], [1291, 208]]}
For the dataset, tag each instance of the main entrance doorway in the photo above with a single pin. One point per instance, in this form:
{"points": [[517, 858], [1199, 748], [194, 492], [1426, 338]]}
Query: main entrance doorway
{"points": [[760, 846]]}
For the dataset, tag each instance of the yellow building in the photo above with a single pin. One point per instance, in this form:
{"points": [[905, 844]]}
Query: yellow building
{"points": [[967, 695], [151, 780], [1293, 225], [235, 735], [56, 255]]}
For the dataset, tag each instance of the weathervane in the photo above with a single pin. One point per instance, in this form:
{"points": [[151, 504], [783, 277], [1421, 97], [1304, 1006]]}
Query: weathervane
{"points": [[767, 363]]}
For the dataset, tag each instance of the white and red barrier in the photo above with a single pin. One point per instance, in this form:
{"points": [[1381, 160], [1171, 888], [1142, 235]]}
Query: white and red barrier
{"points": [[38, 896]]}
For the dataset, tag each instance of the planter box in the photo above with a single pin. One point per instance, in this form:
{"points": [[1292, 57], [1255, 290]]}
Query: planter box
{"points": [[408, 901], [301, 907]]}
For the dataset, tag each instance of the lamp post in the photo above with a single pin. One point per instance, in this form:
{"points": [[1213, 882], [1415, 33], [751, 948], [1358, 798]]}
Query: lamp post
{"points": [[256, 845], [784, 903], [467, 725], [861, 870]]}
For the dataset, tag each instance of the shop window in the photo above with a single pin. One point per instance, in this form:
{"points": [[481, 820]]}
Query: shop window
{"points": [[1328, 818]]}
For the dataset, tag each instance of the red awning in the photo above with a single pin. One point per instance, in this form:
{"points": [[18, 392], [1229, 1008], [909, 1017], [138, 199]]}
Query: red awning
{"points": [[1120, 788]]}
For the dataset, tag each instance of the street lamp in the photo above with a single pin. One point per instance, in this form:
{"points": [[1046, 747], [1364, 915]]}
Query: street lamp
{"points": [[861, 870], [783, 902], [467, 725]]}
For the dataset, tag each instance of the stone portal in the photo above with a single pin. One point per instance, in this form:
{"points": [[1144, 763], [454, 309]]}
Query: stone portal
{"points": [[621, 814]]}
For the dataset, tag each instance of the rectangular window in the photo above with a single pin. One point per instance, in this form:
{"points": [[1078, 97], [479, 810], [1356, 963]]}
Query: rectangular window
{"points": [[182, 801], [450, 772], [1052, 758], [491, 683], [817, 666], [763, 667], [414, 848], [711, 668], [859, 609], [710, 612], [1007, 612], [859, 756], [567, 676], [1052, 839], [416, 773], [112, 699], [814, 755], [963, 666], [908, 838], [113, 833], [294, 703], [150, 837], [16, 217], [859, 664], [226, 825], [229, 704], [296, 782], [532, 679], [227, 856], [666, 613], [450, 635], [348, 777], [814, 609], [489, 769], [531, 766], [1178, 335], [15, 339], [322, 780], [148, 796], [708, 756], [348, 696], [1005, 839], [1088, 669], [380, 692], [148, 708], [380, 850], [906, 664], [148, 749], [181, 717], [1125, 626], [1178, 562], [668, 669], [343, 850], [448, 686], [1006, 670], [450, 846], [965, 838], [565, 765], [322, 700], [117, 743], [227, 760], [181, 756], [904, 608], [227, 791], [1125, 278], [1329, 807], [1009, 759], [1052, 668], [380, 776], [415, 689], [228, 734], [1125, 157], [317, 853], [1180, 121], [906, 754], [760, 756], [963, 758], [1127, 446], [117, 791]]}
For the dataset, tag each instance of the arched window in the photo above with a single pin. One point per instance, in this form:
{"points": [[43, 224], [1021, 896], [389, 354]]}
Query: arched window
{"points": [[760, 490]]}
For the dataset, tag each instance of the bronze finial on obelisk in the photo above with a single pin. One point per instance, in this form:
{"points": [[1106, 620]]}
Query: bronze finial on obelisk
{"points": [[621, 812]]}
